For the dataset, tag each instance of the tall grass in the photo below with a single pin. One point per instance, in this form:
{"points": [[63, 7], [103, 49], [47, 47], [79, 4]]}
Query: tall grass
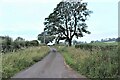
{"points": [[93, 64], [0, 66], [17, 61]]}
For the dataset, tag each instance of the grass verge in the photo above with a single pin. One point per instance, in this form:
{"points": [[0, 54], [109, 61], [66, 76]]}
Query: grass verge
{"points": [[12, 63], [95, 65]]}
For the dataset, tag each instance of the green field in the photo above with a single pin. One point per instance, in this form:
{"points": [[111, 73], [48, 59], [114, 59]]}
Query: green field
{"points": [[105, 43], [93, 63], [17, 61]]}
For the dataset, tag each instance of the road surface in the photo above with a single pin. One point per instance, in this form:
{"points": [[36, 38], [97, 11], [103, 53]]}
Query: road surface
{"points": [[52, 66]]}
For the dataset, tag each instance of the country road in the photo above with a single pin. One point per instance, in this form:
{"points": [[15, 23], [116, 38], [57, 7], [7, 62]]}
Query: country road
{"points": [[52, 66]]}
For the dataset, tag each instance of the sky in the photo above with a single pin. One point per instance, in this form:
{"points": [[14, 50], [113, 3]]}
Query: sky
{"points": [[24, 18]]}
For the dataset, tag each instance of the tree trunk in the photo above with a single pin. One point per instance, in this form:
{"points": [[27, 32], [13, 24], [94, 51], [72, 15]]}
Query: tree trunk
{"points": [[57, 42], [70, 42]]}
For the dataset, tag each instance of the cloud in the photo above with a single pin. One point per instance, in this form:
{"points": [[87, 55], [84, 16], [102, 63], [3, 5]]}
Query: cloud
{"points": [[26, 31], [1, 13], [21, 27], [100, 0], [30, 1], [19, 2], [51, 1]]}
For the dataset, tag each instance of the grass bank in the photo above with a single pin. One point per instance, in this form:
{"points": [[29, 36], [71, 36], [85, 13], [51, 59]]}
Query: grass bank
{"points": [[93, 64], [17, 61]]}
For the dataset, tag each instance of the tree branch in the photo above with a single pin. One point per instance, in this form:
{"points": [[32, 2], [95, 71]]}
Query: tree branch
{"points": [[74, 26], [66, 27]]}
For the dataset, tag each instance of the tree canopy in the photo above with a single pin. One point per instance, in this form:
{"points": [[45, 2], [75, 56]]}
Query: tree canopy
{"points": [[68, 20], [44, 37]]}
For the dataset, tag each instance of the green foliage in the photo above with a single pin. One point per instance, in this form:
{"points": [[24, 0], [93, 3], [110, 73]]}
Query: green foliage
{"points": [[8, 45], [17, 61], [68, 20], [118, 39], [45, 37], [34, 43], [93, 64], [19, 42]]}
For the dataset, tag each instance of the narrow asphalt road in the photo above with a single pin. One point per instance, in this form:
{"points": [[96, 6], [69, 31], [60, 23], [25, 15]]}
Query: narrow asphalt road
{"points": [[52, 66]]}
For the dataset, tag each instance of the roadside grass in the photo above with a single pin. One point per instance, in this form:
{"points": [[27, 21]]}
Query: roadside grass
{"points": [[92, 64], [14, 62]]}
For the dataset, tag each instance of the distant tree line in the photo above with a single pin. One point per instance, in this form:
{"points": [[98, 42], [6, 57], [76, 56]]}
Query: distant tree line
{"points": [[102, 40], [108, 40], [7, 44], [78, 42], [118, 39]]}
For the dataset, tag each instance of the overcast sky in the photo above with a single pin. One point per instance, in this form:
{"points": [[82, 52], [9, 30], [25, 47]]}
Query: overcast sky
{"points": [[25, 18]]}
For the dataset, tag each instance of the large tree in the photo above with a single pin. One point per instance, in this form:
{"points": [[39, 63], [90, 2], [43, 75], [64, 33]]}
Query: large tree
{"points": [[68, 20]]}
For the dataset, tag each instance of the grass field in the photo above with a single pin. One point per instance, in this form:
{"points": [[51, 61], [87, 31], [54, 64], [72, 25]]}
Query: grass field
{"points": [[93, 64], [104, 43], [17, 61]]}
